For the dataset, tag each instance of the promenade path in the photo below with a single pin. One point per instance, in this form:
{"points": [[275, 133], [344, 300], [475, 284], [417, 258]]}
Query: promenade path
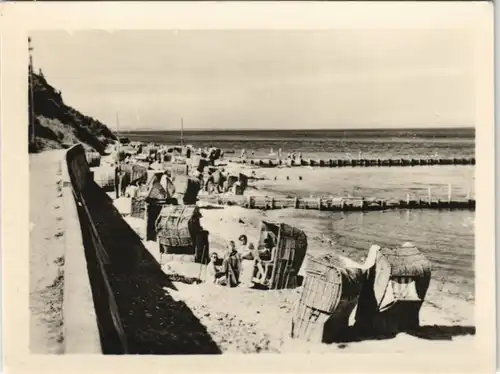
{"points": [[46, 254]]}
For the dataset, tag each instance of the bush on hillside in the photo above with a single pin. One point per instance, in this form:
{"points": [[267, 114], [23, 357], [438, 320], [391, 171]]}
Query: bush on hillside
{"points": [[58, 125]]}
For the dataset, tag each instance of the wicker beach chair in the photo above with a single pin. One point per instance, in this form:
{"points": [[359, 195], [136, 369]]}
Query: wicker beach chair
{"points": [[330, 294], [395, 289], [287, 255], [178, 227]]}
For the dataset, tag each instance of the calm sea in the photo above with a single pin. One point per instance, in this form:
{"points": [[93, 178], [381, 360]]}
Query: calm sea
{"points": [[458, 142], [445, 237]]}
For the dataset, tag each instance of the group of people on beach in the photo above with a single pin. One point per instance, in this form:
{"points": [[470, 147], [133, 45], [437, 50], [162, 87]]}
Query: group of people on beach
{"points": [[293, 156], [290, 155], [202, 177], [227, 270]]}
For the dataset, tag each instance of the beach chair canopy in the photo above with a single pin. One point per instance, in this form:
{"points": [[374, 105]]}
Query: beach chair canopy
{"points": [[153, 190], [330, 284], [128, 149], [396, 284], [401, 273], [177, 227], [290, 243], [134, 173]]}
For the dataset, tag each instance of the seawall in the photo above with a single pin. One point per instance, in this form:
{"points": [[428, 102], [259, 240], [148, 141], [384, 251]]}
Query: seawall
{"points": [[91, 318]]}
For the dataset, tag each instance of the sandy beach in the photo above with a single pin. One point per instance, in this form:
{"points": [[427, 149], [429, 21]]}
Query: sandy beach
{"points": [[248, 321], [238, 320]]}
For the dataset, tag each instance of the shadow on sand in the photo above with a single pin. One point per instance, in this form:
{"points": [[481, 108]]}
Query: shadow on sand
{"points": [[430, 332], [437, 332], [153, 321]]}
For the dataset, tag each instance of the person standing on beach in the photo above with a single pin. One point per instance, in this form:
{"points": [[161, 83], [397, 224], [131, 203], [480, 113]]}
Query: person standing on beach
{"points": [[167, 183], [218, 179], [208, 185], [194, 185], [232, 265]]}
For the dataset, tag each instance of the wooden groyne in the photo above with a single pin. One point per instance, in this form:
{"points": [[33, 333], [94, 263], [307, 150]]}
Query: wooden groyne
{"points": [[336, 163], [336, 203]]}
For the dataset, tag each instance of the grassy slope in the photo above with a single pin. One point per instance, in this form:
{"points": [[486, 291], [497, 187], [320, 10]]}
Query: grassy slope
{"points": [[60, 126]]}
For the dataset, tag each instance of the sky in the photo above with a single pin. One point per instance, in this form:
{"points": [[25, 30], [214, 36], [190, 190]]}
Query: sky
{"points": [[264, 79]]}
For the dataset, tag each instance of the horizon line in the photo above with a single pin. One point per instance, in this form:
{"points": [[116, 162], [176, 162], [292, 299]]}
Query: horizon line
{"points": [[305, 129]]}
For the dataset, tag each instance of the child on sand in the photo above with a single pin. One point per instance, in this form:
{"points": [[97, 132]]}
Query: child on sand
{"points": [[214, 268]]}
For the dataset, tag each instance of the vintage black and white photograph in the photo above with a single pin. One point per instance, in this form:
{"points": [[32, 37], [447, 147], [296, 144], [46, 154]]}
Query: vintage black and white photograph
{"points": [[253, 191]]}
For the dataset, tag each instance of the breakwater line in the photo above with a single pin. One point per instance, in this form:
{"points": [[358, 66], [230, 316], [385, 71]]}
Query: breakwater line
{"points": [[333, 204], [337, 163]]}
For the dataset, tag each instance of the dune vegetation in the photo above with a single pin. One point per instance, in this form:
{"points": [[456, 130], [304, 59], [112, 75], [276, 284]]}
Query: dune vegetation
{"points": [[58, 125]]}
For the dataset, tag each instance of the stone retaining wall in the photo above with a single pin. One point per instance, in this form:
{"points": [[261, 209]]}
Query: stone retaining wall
{"points": [[91, 319]]}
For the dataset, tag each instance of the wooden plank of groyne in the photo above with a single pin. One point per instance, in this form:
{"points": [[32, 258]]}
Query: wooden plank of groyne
{"points": [[403, 162], [346, 203]]}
